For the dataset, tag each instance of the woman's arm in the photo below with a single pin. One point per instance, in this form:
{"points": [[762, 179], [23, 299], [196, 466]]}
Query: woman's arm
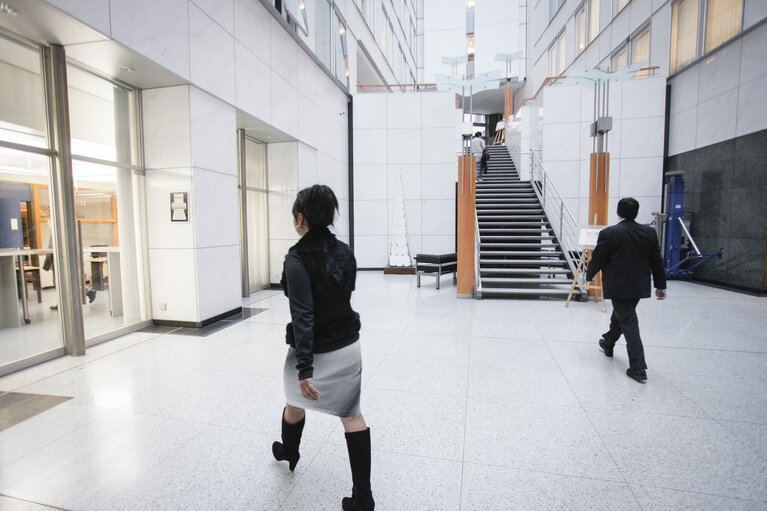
{"points": [[302, 313]]}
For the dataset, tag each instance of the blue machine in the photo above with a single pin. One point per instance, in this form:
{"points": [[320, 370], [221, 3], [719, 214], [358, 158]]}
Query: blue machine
{"points": [[679, 260]]}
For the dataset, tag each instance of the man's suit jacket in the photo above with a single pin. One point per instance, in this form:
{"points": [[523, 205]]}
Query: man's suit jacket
{"points": [[627, 253]]}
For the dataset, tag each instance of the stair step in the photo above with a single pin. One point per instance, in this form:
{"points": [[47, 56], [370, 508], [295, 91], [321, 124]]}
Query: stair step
{"points": [[524, 271], [511, 246], [484, 254], [511, 223], [528, 280], [518, 262], [507, 292]]}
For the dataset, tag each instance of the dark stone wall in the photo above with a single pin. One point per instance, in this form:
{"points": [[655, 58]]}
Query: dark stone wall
{"points": [[726, 196]]}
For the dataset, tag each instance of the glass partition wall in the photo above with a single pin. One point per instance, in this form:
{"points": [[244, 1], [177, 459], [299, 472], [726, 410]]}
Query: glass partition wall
{"points": [[102, 118], [254, 214]]}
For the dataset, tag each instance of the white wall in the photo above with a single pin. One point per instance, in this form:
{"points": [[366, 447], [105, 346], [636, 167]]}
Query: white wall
{"points": [[414, 135], [444, 35], [238, 60], [721, 97], [190, 147], [635, 144], [497, 30]]}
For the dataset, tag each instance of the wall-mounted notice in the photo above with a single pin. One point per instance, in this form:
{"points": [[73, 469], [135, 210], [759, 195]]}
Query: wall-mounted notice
{"points": [[179, 207], [589, 236]]}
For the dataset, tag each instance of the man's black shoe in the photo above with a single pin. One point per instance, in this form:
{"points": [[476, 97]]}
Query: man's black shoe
{"points": [[607, 349], [637, 374]]}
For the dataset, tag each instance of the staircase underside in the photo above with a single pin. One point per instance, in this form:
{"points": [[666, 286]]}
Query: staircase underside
{"points": [[519, 253]]}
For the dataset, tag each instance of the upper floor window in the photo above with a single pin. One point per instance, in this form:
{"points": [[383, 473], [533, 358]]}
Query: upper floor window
{"points": [[557, 55], [554, 6], [724, 19], [593, 17], [580, 30]]}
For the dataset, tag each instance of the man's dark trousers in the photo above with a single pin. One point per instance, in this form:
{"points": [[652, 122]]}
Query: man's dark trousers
{"points": [[624, 321]]}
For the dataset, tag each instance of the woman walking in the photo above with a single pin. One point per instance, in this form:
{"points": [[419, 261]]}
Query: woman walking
{"points": [[323, 369]]}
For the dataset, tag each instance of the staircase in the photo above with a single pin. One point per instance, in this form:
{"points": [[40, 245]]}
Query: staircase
{"points": [[519, 253]]}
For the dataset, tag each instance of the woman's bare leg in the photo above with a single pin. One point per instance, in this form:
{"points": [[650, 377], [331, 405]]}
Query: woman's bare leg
{"points": [[293, 415], [353, 424]]}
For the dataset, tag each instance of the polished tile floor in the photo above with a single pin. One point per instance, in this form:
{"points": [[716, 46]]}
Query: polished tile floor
{"points": [[473, 405]]}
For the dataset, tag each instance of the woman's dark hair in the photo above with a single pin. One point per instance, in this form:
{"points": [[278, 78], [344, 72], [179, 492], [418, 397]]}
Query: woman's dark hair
{"points": [[318, 204], [628, 208], [478, 134]]}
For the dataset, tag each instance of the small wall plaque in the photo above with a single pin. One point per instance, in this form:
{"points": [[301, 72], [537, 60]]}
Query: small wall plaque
{"points": [[179, 207]]}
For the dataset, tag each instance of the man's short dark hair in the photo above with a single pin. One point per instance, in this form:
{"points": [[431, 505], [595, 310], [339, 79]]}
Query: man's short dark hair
{"points": [[478, 134], [628, 208]]}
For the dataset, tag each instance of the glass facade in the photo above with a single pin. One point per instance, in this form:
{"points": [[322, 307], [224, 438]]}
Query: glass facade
{"points": [[684, 33], [724, 19], [257, 200]]}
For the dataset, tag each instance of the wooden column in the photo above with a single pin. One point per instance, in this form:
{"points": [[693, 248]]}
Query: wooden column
{"points": [[467, 167], [508, 103], [599, 188], [599, 191]]}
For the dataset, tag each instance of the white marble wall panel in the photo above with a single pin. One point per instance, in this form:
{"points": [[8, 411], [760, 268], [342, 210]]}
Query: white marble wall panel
{"points": [[253, 84], [370, 251], [370, 182], [438, 217], [752, 108], [218, 280], [437, 109], [620, 29], [341, 180], [162, 36], [281, 216], [161, 232], [721, 73], [307, 166], [640, 11], [284, 106], [439, 145], [213, 127], [684, 90], [370, 146], [252, 27], [371, 218], [216, 209], [341, 225], [403, 111], [94, 13], [642, 137], [437, 244], [404, 146], [561, 141], [211, 55], [660, 40], [284, 53], [277, 251], [307, 76], [221, 11], [325, 132], [307, 121], [165, 114], [641, 98], [754, 12], [566, 176], [563, 104], [411, 180], [640, 177], [682, 131], [341, 141], [647, 205], [326, 173], [282, 165], [438, 181], [370, 110], [173, 275], [717, 119], [413, 216], [753, 60]]}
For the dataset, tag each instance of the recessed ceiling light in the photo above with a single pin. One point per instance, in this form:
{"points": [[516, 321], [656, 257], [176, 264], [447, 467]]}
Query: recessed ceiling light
{"points": [[126, 68], [8, 9]]}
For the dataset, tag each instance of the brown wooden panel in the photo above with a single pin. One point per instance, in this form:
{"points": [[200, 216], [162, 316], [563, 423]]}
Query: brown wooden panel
{"points": [[466, 203]]}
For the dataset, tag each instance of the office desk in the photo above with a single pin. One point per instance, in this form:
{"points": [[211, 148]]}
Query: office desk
{"points": [[10, 278]]}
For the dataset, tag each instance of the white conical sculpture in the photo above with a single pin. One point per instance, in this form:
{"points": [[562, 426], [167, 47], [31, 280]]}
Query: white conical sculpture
{"points": [[399, 252]]}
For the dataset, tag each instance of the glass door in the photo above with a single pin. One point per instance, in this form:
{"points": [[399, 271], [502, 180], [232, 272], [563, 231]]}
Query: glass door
{"points": [[29, 323], [257, 202], [107, 184]]}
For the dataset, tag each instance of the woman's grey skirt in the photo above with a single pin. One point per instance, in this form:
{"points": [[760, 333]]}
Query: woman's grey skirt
{"points": [[337, 377]]}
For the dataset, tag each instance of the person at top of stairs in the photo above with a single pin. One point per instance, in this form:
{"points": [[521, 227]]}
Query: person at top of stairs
{"points": [[478, 151]]}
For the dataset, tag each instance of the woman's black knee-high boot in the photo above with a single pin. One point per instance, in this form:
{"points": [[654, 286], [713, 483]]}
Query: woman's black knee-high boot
{"points": [[291, 439], [358, 445]]}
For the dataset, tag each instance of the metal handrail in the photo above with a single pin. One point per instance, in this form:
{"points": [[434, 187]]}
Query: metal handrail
{"points": [[477, 241], [556, 209]]}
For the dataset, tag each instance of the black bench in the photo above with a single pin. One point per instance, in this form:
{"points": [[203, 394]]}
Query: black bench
{"points": [[437, 265]]}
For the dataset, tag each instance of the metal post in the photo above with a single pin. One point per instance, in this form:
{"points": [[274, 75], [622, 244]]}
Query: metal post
{"points": [[243, 196], [561, 216], [68, 253]]}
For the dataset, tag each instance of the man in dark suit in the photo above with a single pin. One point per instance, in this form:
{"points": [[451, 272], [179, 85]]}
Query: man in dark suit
{"points": [[627, 253]]}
